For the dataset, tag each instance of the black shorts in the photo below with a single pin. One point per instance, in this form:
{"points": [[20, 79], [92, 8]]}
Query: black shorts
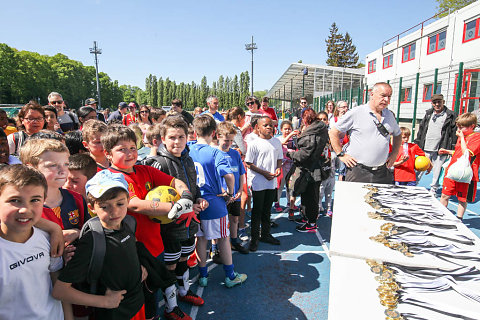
{"points": [[234, 208], [176, 249]]}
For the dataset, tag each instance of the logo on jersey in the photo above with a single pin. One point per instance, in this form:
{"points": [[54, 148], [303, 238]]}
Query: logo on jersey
{"points": [[73, 217], [148, 186], [131, 189], [19, 263]]}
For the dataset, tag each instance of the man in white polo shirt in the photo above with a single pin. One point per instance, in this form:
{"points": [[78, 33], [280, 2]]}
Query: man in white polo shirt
{"points": [[369, 127]]}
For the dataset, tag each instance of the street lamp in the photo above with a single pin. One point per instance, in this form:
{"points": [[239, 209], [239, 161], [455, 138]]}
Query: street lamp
{"points": [[250, 47], [96, 50]]}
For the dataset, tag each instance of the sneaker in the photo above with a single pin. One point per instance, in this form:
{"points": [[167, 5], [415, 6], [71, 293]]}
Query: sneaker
{"points": [[191, 298], [202, 281], [277, 208], [301, 220], [270, 239], [176, 314], [291, 215], [329, 213], [253, 245], [295, 208], [192, 260], [238, 247], [216, 258], [239, 279], [242, 234], [307, 228]]}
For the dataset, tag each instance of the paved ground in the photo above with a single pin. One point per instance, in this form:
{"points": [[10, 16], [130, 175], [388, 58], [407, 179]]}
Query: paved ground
{"points": [[289, 281]]}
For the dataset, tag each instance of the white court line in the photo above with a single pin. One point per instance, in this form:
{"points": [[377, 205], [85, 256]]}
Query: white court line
{"points": [[324, 246], [194, 311], [288, 252]]}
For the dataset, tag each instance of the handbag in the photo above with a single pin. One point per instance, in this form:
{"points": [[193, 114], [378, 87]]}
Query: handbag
{"points": [[298, 180], [461, 171]]}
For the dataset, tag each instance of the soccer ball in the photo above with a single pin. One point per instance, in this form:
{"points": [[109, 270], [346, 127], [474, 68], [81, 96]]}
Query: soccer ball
{"points": [[422, 163], [162, 194]]}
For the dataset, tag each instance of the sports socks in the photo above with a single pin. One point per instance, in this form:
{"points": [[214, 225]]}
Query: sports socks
{"points": [[170, 296], [229, 271], [183, 275], [203, 271]]}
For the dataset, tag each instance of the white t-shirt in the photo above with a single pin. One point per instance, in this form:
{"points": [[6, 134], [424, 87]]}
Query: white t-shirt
{"points": [[264, 154], [25, 284]]}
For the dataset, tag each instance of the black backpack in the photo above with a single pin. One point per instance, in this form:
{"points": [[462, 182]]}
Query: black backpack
{"points": [[94, 226]]}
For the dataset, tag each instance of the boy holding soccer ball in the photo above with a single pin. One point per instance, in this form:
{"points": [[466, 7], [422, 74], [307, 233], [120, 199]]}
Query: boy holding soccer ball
{"points": [[119, 143]]}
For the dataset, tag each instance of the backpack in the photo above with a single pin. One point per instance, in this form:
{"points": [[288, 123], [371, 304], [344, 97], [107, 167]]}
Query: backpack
{"points": [[19, 138], [99, 247], [75, 123]]}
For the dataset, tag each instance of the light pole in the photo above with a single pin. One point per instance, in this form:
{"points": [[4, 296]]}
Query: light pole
{"points": [[96, 50], [250, 47]]}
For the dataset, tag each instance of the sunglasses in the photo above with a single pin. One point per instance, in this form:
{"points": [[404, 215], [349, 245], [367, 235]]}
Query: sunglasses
{"points": [[303, 102], [250, 103], [144, 111], [56, 102]]}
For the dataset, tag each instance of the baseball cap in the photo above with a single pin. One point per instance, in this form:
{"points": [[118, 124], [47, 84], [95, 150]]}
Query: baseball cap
{"points": [[122, 105], [104, 181], [90, 101], [437, 96]]}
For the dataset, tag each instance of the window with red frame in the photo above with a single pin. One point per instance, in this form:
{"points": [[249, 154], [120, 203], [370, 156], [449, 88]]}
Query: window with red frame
{"points": [[437, 42], [427, 91], [372, 66], [388, 61], [406, 95], [471, 30], [408, 53]]}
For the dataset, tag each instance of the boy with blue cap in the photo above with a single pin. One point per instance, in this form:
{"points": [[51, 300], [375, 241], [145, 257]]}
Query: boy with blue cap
{"points": [[122, 298]]}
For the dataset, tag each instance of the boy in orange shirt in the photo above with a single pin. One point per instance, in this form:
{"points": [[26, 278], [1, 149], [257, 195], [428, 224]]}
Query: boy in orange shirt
{"points": [[468, 141], [404, 171]]}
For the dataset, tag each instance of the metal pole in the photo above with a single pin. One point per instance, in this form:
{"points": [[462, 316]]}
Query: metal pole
{"points": [[283, 103], [435, 81], [250, 47], [414, 120], [303, 85], [366, 94], [458, 90], [96, 51], [291, 96], [399, 98]]}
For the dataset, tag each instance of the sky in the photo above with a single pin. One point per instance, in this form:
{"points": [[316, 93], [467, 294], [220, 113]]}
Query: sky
{"points": [[185, 40]]}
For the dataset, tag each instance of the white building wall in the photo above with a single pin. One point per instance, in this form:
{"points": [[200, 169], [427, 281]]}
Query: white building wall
{"points": [[447, 60]]}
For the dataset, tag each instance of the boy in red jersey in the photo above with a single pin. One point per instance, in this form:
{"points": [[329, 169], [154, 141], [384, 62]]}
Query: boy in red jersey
{"points": [[404, 171], [468, 141], [119, 143]]}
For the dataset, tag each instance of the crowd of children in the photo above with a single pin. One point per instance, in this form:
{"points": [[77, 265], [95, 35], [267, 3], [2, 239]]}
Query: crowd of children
{"points": [[85, 194]]}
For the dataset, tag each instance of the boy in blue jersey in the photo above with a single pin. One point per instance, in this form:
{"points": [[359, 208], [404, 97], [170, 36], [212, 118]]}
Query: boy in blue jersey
{"points": [[225, 134], [212, 166]]}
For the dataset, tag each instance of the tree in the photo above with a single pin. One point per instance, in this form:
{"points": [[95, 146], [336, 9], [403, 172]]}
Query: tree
{"points": [[452, 5], [348, 55], [334, 44], [160, 90]]}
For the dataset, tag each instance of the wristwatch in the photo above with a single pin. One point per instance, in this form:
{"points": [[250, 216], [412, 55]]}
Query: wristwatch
{"points": [[341, 154]]}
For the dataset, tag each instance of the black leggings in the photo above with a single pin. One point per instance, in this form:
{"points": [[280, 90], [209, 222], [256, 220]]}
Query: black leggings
{"points": [[310, 200], [262, 205]]}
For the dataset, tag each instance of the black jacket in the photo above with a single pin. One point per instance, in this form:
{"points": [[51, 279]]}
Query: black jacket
{"points": [[448, 135], [310, 148], [181, 168]]}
